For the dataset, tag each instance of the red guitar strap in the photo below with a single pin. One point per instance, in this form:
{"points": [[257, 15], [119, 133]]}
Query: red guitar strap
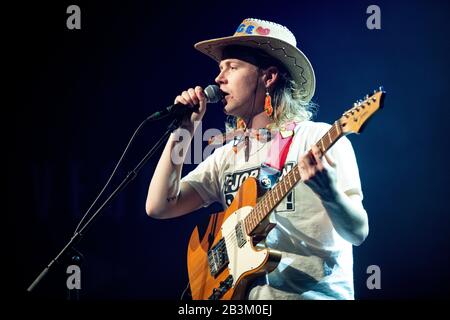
{"points": [[277, 154], [280, 147]]}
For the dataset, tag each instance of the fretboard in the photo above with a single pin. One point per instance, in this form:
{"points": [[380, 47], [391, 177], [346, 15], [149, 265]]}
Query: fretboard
{"points": [[273, 197]]}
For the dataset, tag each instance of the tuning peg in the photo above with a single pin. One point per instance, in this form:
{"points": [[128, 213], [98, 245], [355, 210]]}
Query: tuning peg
{"points": [[366, 97], [381, 88]]}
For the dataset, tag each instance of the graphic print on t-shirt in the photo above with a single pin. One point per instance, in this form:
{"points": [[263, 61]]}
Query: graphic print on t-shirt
{"points": [[234, 180]]}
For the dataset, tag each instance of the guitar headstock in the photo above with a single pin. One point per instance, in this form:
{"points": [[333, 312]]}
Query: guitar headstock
{"points": [[354, 119]]}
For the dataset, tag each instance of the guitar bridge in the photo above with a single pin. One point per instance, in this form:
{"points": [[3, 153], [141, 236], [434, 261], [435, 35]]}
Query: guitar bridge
{"points": [[218, 257]]}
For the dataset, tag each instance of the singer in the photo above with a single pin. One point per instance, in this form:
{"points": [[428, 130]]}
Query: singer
{"points": [[303, 248]]}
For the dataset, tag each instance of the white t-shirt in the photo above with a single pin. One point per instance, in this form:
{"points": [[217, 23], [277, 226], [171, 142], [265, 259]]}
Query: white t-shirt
{"points": [[316, 262]]}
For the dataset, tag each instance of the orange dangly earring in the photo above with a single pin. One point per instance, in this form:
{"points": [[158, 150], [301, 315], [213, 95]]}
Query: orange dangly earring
{"points": [[268, 104]]}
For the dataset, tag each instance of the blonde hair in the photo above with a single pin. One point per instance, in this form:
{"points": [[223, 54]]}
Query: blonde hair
{"points": [[288, 101]]}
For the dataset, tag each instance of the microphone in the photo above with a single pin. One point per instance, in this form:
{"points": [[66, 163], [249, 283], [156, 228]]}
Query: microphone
{"points": [[212, 92]]}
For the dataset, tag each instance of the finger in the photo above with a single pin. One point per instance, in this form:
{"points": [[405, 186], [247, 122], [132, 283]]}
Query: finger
{"points": [[313, 160], [180, 99], [307, 169], [200, 94], [318, 158], [187, 97], [193, 96], [320, 166], [306, 162], [316, 150], [302, 169]]}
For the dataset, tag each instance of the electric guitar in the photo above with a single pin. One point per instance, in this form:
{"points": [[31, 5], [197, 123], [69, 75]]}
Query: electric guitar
{"points": [[225, 260]]}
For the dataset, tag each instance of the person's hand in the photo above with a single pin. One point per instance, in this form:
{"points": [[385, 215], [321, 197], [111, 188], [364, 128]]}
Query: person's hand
{"points": [[196, 99], [318, 174]]}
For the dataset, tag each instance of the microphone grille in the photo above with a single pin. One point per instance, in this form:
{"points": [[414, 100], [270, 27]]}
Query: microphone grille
{"points": [[213, 94]]}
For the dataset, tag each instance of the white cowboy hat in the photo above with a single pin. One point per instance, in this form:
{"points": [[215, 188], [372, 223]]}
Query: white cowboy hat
{"points": [[273, 39]]}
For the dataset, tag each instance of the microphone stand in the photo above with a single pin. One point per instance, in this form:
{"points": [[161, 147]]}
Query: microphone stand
{"points": [[130, 176]]}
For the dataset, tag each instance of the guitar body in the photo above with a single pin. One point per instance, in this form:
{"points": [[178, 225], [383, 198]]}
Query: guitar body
{"points": [[222, 263]]}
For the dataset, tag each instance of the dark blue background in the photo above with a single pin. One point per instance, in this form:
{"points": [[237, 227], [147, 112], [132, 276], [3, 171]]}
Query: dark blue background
{"points": [[78, 95]]}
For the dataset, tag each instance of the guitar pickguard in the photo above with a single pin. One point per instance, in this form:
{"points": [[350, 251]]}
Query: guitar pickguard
{"points": [[242, 255]]}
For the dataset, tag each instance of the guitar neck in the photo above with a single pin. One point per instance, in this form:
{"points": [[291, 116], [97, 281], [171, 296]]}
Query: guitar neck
{"points": [[274, 196]]}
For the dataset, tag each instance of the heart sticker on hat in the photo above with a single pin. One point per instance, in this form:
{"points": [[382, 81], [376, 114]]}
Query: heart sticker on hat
{"points": [[263, 31]]}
